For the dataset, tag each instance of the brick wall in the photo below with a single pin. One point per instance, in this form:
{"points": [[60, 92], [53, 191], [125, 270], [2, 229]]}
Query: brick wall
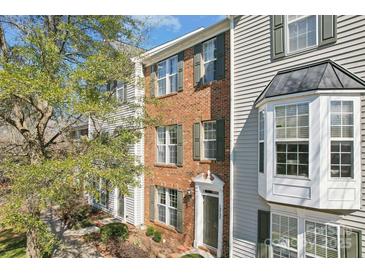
{"points": [[209, 102]]}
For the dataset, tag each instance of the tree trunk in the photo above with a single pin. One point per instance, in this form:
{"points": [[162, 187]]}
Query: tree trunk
{"points": [[33, 250]]}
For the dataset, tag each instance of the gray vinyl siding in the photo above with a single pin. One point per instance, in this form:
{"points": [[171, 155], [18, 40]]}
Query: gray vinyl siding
{"points": [[253, 69], [133, 202]]}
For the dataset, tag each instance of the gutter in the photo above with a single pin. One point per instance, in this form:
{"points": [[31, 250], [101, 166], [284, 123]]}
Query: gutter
{"points": [[231, 130]]}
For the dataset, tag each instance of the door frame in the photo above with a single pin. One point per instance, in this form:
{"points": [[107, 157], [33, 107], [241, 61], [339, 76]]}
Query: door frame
{"points": [[201, 185]]}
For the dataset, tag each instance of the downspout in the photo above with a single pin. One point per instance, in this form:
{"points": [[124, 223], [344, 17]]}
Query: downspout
{"points": [[231, 131]]}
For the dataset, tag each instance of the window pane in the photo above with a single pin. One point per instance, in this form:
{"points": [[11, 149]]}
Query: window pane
{"points": [[161, 135], [281, 169], [173, 154], [173, 135], [161, 196], [173, 217], [161, 70], [335, 171], [162, 213], [161, 153], [173, 65], [347, 106], [292, 169], [347, 131], [335, 119], [261, 160], [173, 197], [210, 149], [281, 158], [173, 83], [162, 87], [209, 72], [280, 111], [303, 132]]}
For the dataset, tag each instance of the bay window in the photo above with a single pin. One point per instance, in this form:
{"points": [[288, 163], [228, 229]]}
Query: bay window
{"points": [[209, 59], [302, 32], [167, 206], [210, 140], [342, 135], [284, 236], [292, 135], [261, 141], [167, 145], [167, 76]]}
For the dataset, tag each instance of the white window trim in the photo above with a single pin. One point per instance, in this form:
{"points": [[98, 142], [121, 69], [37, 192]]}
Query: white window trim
{"points": [[203, 140], [343, 139], [167, 76], [292, 140], [286, 31], [298, 230], [166, 205], [167, 146], [206, 62]]}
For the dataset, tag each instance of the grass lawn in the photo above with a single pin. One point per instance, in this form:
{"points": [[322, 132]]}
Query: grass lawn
{"points": [[192, 255], [12, 245]]}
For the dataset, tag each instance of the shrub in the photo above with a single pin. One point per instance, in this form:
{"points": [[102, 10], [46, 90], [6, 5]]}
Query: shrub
{"points": [[150, 231], [117, 231], [157, 236]]}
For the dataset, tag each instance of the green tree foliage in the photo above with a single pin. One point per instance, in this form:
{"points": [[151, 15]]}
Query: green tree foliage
{"points": [[53, 73]]}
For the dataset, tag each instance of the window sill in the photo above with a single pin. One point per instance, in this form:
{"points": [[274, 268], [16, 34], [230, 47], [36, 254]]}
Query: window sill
{"points": [[167, 95], [164, 226], [207, 161], [165, 165], [205, 85], [292, 177]]}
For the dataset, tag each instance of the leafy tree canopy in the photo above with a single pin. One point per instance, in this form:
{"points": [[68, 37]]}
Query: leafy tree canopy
{"points": [[53, 74]]}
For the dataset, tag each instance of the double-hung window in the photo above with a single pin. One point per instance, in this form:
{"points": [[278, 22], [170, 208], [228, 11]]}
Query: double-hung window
{"points": [[167, 206], [342, 139], [261, 141], [209, 59], [167, 76], [302, 32], [210, 140], [292, 135], [167, 145], [321, 240], [284, 236]]}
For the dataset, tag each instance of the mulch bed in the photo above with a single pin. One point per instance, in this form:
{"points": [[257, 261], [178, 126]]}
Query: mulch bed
{"points": [[138, 245]]}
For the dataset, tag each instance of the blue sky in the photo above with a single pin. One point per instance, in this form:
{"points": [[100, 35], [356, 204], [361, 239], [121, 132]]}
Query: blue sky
{"points": [[164, 28]]}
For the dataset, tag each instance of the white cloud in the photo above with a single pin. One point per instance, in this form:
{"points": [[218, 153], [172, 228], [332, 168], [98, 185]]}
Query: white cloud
{"points": [[156, 21]]}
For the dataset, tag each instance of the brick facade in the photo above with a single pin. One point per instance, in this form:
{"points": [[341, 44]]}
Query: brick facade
{"points": [[207, 102]]}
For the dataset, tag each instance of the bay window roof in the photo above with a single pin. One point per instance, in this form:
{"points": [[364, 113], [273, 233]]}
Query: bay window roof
{"points": [[324, 75]]}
